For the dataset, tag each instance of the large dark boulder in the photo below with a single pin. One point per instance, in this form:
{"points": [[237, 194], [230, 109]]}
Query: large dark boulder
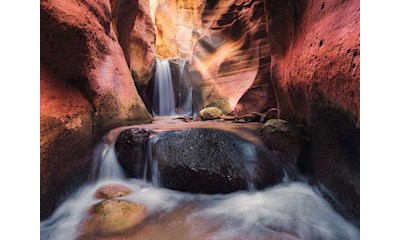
{"points": [[130, 149], [212, 161]]}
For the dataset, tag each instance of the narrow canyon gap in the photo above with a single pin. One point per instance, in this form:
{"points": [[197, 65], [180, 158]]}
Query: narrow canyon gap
{"points": [[200, 119]]}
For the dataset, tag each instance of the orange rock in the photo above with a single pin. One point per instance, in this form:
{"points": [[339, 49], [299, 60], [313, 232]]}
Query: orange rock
{"points": [[112, 216], [112, 190], [178, 24], [231, 59]]}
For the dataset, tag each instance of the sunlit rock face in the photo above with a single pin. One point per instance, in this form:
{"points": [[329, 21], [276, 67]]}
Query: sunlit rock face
{"points": [[65, 135], [231, 60], [179, 25], [315, 48], [86, 89], [136, 34]]}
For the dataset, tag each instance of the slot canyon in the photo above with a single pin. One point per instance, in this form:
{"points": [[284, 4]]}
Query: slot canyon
{"points": [[200, 119]]}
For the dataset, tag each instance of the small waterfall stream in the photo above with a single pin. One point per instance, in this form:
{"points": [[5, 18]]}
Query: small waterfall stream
{"points": [[164, 97], [185, 100], [164, 100], [290, 210]]}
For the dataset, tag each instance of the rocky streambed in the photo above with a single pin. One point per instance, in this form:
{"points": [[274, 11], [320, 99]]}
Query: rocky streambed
{"points": [[198, 180]]}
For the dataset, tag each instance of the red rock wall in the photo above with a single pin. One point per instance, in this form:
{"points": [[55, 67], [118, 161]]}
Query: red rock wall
{"points": [[315, 66], [86, 89], [66, 124], [136, 35], [230, 61]]}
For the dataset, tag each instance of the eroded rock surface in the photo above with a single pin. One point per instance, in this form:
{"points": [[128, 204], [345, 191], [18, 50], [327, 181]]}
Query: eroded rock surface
{"points": [[315, 67], [86, 89]]}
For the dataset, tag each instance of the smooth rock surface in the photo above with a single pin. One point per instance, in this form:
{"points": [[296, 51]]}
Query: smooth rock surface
{"points": [[111, 216], [231, 59], [210, 113], [212, 161], [112, 190]]}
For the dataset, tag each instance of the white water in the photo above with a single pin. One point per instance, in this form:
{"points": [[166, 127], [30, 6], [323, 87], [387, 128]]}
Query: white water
{"points": [[289, 211], [185, 101], [164, 93], [163, 97]]}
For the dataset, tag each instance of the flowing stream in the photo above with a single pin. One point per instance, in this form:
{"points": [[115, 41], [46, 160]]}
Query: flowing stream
{"points": [[290, 210]]}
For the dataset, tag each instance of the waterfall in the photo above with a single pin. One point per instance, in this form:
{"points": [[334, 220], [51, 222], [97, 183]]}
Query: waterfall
{"points": [[105, 165], [185, 100], [164, 97]]}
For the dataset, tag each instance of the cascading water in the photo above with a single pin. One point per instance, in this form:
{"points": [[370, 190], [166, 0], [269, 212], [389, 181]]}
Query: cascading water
{"points": [[185, 100], [164, 97], [164, 93], [290, 210]]}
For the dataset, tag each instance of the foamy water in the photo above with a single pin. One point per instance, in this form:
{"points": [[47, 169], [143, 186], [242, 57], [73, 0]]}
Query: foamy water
{"points": [[291, 210]]}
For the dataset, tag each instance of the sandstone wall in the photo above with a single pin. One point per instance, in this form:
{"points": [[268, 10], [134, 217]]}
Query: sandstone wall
{"points": [[86, 89], [315, 51], [136, 34], [230, 61]]}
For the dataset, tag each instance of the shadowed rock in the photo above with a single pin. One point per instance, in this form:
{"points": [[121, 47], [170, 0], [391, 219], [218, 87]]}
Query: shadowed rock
{"points": [[130, 149], [212, 161]]}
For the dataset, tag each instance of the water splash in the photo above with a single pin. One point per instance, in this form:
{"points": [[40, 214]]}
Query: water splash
{"points": [[290, 211], [109, 166]]}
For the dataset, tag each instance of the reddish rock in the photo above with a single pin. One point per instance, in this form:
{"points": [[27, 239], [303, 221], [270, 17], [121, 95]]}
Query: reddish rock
{"points": [[112, 190], [65, 138], [78, 42], [315, 67], [136, 35], [86, 88], [231, 59]]}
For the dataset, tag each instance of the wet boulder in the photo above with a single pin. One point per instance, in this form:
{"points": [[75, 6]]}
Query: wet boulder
{"points": [[130, 149], [210, 113], [212, 161], [111, 216], [287, 140], [112, 190]]}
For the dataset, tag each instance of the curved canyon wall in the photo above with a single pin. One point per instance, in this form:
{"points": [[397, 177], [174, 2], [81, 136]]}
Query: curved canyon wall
{"points": [[136, 34], [230, 61], [315, 67], [178, 26], [228, 48], [86, 88]]}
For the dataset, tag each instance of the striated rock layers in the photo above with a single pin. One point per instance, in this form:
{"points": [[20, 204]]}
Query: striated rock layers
{"points": [[86, 88], [136, 34], [178, 25], [231, 60], [315, 65]]}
